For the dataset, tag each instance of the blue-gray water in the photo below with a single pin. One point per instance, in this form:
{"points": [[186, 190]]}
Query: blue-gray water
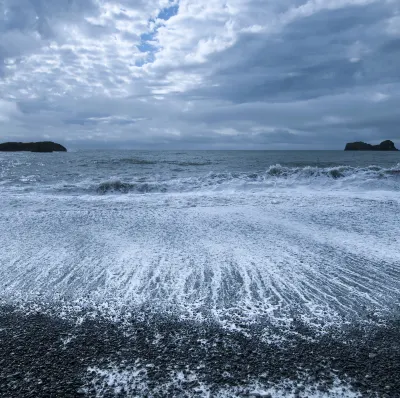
{"points": [[255, 243], [180, 171]]}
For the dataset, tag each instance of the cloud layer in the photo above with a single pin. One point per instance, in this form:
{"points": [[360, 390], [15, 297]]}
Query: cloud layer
{"points": [[237, 74]]}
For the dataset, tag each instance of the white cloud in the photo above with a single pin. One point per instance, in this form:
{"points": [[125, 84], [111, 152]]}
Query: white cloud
{"points": [[357, 51], [379, 97], [8, 111], [393, 26], [196, 72]]}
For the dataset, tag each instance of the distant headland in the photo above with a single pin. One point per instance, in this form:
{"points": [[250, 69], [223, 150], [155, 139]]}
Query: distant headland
{"points": [[362, 146], [43, 146]]}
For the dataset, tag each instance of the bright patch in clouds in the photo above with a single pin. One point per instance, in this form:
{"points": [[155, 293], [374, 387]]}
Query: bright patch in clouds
{"points": [[200, 74]]}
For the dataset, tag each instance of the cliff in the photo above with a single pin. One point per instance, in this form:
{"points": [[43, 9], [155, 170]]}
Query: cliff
{"points": [[44, 146], [362, 146]]}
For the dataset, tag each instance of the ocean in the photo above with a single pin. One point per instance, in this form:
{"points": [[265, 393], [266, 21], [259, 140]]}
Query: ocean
{"points": [[200, 273]]}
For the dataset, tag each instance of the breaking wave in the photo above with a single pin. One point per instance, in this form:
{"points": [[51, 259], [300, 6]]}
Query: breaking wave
{"points": [[276, 176], [118, 186], [181, 181]]}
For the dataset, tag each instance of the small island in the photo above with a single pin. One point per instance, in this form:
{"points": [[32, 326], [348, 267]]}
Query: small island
{"points": [[362, 146], [43, 146]]}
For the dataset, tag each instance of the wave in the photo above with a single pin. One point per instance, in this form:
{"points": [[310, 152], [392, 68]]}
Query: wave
{"points": [[117, 186], [336, 172], [190, 163], [276, 176], [125, 161], [139, 161]]}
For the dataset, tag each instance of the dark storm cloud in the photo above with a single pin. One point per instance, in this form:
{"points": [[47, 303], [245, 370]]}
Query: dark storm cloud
{"points": [[160, 73]]}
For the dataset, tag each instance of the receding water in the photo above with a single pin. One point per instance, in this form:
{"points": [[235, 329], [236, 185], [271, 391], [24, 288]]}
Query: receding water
{"points": [[254, 243]]}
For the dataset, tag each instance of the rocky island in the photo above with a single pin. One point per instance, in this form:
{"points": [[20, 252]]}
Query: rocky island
{"points": [[43, 146], [362, 146]]}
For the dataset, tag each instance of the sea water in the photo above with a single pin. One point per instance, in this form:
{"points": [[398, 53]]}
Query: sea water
{"points": [[237, 239]]}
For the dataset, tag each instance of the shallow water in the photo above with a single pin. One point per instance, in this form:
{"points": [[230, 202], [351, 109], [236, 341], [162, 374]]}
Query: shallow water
{"points": [[236, 239]]}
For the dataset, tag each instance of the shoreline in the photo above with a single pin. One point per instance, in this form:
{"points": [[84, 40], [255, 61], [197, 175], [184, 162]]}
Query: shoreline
{"points": [[43, 354]]}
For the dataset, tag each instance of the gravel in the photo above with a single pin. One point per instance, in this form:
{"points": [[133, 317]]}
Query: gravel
{"points": [[46, 356]]}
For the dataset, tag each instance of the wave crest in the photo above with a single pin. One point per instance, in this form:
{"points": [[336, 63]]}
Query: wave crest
{"points": [[117, 186], [276, 176]]}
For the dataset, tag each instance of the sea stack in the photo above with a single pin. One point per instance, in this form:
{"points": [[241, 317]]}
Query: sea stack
{"points": [[362, 146], [43, 146]]}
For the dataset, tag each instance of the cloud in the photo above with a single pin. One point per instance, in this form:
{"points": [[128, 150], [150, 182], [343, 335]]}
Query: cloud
{"points": [[8, 110], [200, 74]]}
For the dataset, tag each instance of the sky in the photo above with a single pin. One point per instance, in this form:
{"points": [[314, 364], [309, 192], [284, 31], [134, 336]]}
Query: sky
{"points": [[200, 74]]}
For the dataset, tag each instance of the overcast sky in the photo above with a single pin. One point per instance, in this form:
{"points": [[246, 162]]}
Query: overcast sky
{"points": [[240, 74]]}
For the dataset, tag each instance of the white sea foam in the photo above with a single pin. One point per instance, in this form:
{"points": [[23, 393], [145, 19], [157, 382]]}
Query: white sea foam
{"points": [[321, 256], [277, 176], [134, 382], [314, 244], [345, 178]]}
